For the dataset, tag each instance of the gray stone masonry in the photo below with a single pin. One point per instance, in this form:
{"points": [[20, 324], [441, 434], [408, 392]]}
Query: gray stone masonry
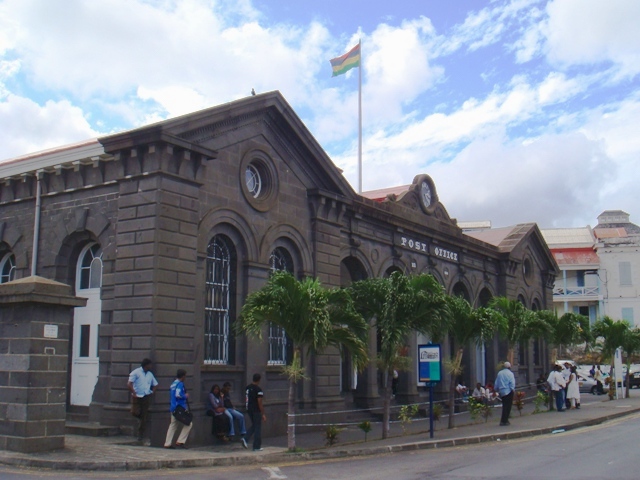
{"points": [[35, 314]]}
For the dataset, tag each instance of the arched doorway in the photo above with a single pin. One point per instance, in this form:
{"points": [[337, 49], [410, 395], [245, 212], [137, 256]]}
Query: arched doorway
{"points": [[86, 321], [351, 270]]}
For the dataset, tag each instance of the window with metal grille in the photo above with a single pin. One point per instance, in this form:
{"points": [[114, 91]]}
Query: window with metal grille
{"points": [[91, 267], [220, 271], [8, 268], [280, 260]]}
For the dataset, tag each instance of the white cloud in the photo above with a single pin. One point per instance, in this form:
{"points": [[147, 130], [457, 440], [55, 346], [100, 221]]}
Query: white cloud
{"points": [[553, 180], [592, 31], [28, 127], [174, 99]]}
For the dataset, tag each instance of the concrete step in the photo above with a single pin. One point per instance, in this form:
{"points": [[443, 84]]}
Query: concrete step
{"points": [[91, 429], [77, 413]]}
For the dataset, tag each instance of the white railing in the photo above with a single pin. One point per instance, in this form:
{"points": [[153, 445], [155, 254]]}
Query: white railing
{"points": [[577, 291]]}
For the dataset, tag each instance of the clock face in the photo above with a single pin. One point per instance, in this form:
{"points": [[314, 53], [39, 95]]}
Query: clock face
{"points": [[425, 194]]}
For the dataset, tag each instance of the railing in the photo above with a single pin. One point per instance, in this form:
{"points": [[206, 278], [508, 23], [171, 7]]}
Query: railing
{"points": [[577, 291]]}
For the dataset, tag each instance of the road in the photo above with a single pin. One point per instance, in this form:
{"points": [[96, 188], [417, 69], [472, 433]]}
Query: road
{"points": [[604, 451]]}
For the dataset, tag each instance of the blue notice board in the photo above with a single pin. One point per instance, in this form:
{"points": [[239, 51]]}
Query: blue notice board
{"points": [[429, 363]]}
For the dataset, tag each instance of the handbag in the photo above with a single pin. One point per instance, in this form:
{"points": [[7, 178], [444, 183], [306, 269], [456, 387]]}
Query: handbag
{"points": [[183, 415]]}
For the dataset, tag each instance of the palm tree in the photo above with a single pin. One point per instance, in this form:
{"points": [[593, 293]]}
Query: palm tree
{"points": [[613, 333], [631, 346], [520, 324], [466, 325], [569, 329], [396, 306], [314, 317]]}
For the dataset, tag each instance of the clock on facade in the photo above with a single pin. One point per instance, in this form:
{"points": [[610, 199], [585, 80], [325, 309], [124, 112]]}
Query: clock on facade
{"points": [[425, 194]]}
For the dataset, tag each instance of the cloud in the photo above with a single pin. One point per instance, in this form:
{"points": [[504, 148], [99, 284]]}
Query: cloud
{"points": [[583, 32], [554, 180], [28, 127]]}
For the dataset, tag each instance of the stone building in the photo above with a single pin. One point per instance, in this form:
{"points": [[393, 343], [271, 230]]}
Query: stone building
{"points": [[166, 229]]}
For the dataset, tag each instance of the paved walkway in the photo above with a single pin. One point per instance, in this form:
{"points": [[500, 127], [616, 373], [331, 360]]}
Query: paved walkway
{"points": [[117, 453]]}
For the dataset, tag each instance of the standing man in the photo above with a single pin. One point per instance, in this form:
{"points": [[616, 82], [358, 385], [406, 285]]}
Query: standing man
{"points": [[556, 383], [179, 397], [597, 376], [505, 386], [141, 384], [255, 410]]}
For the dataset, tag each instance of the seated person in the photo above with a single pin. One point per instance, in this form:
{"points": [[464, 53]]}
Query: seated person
{"points": [[232, 413], [479, 393], [491, 394], [216, 404], [463, 392]]}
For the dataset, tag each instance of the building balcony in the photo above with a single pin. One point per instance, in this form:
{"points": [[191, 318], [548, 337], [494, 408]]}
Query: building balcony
{"points": [[561, 294]]}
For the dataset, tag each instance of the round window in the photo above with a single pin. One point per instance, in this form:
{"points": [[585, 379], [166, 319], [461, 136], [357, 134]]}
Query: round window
{"points": [[253, 180], [259, 180]]}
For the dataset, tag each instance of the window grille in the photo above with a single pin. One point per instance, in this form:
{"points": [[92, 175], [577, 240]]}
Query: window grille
{"points": [[8, 268], [280, 260], [90, 267], [218, 301]]}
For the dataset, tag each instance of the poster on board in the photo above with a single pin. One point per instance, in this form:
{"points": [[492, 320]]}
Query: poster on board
{"points": [[429, 363]]}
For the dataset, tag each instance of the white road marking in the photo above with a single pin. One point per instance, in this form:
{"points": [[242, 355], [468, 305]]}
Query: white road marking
{"points": [[274, 472]]}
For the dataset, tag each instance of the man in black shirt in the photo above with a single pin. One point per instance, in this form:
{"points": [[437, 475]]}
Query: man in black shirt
{"points": [[255, 410]]}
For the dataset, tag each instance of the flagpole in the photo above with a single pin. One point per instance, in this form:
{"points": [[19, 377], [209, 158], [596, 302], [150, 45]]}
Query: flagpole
{"points": [[360, 121]]}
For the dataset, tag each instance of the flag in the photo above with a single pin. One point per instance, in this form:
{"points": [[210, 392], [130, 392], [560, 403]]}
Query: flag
{"points": [[346, 62]]}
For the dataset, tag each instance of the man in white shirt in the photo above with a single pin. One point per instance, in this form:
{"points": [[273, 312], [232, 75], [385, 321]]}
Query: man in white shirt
{"points": [[141, 384], [557, 383], [479, 393]]}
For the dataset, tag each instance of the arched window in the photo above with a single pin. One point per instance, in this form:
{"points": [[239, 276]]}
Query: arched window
{"points": [[280, 260], [219, 282], [8, 268], [90, 267]]}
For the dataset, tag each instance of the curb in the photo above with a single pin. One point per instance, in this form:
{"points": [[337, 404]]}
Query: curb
{"points": [[303, 456]]}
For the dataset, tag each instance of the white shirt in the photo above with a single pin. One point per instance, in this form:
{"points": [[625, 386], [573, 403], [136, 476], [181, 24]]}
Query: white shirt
{"points": [[479, 393], [556, 381]]}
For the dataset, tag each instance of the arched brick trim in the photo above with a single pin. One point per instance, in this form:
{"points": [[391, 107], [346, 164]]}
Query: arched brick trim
{"points": [[485, 294], [67, 256], [390, 262], [461, 286], [362, 261], [289, 237], [234, 226]]}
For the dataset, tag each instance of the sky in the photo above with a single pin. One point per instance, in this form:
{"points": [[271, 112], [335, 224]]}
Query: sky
{"points": [[520, 110]]}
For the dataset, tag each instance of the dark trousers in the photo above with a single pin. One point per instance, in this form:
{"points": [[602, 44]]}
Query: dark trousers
{"points": [[140, 409], [559, 399], [255, 430], [507, 402]]}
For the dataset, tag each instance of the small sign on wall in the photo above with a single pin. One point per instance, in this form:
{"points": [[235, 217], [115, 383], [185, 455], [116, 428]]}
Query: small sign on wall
{"points": [[51, 331]]}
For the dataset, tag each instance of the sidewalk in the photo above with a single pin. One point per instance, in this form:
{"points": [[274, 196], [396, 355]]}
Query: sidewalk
{"points": [[117, 453]]}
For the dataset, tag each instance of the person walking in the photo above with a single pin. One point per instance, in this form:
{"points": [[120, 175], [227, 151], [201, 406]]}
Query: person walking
{"points": [[573, 389], [255, 409], [141, 384], [179, 398], [505, 386]]}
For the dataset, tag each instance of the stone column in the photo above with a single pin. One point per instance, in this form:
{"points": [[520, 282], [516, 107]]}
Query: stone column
{"points": [[35, 316]]}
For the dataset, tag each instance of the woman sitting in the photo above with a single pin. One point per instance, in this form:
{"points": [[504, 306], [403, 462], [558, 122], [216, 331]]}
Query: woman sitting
{"points": [[216, 405]]}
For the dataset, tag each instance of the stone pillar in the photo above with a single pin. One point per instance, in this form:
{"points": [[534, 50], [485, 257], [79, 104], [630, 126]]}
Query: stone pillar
{"points": [[35, 316]]}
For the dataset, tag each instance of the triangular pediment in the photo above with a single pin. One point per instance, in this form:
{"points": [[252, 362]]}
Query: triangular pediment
{"points": [[264, 121]]}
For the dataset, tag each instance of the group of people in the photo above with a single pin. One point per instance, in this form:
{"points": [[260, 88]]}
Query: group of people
{"points": [[563, 384], [486, 394], [142, 384]]}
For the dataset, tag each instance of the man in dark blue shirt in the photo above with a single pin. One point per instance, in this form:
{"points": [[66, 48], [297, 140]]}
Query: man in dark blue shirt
{"points": [[255, 410]]}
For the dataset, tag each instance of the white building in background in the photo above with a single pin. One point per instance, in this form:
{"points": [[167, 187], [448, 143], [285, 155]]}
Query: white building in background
{"points": [[600, 268]]}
